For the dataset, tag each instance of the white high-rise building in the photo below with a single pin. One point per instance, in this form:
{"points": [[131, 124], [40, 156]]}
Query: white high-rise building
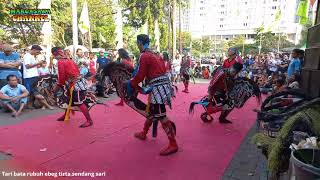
{"points": [[225, 19]]}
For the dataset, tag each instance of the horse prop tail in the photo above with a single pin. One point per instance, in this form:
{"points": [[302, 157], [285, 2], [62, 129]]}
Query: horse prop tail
{"points": [[191, 108]]}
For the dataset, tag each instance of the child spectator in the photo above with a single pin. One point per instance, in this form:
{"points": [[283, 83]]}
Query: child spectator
{"points": [[92, 64], [43, 69], [14, 96], [205, 73], [294, 82], [280, 86], [84, 69]]}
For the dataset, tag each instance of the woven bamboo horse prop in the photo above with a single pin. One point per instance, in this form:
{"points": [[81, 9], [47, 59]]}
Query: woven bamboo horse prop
{"points": [[120, 73], [239, 91], [44, 86]]}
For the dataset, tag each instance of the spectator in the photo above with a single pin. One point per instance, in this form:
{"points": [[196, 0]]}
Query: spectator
{"points": [[86, 55], [68, 54], [294, 81], [9, 64], [205, 73], [102, 61], [295, 64], [301, 56], [92, 64], [168, 63], [280, 86], [198, 71], [283, 67], [30, 70], [84, 70], [14, 96], [273, 64], [43, 70], [79, 57], [176, 68]]}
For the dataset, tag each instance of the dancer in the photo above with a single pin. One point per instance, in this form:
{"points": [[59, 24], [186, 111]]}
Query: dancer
{"points": [[218, 88], [233, 57], [226, 92], [69, 75], [160, 94], [125, 59], [184, 72]]}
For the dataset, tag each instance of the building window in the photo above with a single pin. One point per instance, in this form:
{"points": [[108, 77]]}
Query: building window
{"points": [[245, 24], [274, 7], [201, 2], [221, 26], [222, 12], [221, 19], [222, 5], [274, 0], [202, 8], [245, 3]]}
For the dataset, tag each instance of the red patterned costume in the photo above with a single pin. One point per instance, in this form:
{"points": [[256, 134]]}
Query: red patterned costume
{"points": [[69, 76], [152, 68], [231, 61], [218, 85]]}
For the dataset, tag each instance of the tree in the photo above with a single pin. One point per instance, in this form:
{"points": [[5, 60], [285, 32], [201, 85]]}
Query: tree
{"points": [[201, 46], [61, 23], [101, 21], [183, 4], [26, 33], [206, 45], [269, 41], [237, 41], [150, 12], [186, 39]]}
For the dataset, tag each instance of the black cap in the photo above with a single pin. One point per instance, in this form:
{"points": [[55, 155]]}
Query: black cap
{"points": [[36, 47]]}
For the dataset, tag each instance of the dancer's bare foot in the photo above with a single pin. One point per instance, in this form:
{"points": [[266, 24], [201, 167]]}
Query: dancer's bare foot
{"points": [[119, 104], [185, 91], [86, 124], [61, 118]]}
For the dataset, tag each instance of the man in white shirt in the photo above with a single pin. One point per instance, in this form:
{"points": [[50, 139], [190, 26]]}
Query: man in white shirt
{"points": [[30, 74]]}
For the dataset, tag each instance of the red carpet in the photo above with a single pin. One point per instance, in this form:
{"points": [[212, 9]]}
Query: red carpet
{"points": [[109, 146]]}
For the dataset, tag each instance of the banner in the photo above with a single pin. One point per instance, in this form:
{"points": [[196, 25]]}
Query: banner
{"points": [[303, 11], [84, 23]]}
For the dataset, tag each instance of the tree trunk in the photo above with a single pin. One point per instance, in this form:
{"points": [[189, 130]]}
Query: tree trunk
{"points": [[169, 31], [174, 29], [180, 28], [157, 35], [24, 35]]}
